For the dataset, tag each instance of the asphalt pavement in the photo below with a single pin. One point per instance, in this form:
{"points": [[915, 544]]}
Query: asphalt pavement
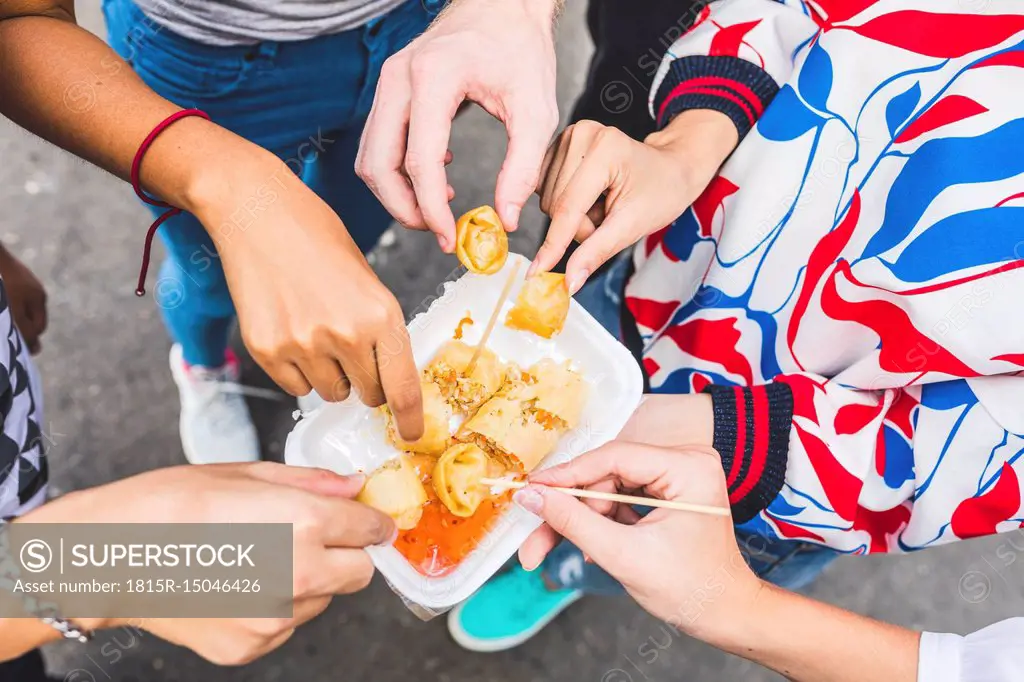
{"points": [[112, 412]]}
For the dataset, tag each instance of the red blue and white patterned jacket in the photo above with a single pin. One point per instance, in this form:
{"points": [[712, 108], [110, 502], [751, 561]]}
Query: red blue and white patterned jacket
{"points": [[850, 288]]}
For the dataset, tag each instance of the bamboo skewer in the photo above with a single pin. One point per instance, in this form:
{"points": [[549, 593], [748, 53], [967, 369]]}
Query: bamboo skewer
{"points": [[616, 497], [494, 318]]}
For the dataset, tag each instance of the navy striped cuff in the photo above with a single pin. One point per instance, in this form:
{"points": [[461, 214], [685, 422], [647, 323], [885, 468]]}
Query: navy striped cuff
{"points": [[735, 87], [752, 428]]}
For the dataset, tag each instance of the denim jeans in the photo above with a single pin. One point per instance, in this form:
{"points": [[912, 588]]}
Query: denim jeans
{"points": [[786, 563], [305, 101]]}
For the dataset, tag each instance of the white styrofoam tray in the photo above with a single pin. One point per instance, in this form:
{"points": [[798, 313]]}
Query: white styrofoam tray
{"points": [[349, 437]]}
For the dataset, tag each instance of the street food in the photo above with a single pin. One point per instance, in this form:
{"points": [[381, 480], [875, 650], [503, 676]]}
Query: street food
{"points": [[437, 417], [456, 478], [514, 418], [465, 393], [541, 306], [396, 490], [480, 241], [521, 425]]}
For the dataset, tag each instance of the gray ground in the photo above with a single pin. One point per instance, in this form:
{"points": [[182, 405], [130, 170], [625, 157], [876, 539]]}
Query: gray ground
{"points": [[112, 413]]}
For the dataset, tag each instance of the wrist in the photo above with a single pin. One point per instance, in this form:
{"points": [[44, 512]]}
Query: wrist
{"points": [[742, 621], [197, 166], [699, 141]]}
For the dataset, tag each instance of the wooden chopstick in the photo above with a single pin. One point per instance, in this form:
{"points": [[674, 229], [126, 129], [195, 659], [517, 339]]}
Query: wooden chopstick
{"points": [[494, 318], [616, 497]]}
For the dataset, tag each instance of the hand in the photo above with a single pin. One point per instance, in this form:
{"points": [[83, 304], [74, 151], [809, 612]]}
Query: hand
{"points": [[497, 53], [682, 567], [311, 310], [596, 176], [27, 299], [330, 531]]}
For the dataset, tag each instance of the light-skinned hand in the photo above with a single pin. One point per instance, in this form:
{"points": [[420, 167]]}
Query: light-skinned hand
{"points": [[497, 53], [607, 191], [682, 567], [310, 308], [330, 530]]}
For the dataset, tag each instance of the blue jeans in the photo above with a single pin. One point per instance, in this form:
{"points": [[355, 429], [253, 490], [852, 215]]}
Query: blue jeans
{"points": [[305, 101], [786, 563]]}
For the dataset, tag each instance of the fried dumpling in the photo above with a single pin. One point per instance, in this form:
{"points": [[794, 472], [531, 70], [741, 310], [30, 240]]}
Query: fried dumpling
{"points": [[541, 306], [480, 241], [437, 415], [522, 424], [448, 371], [557, 390], [457, 477], [396, 490], [506, 427]]}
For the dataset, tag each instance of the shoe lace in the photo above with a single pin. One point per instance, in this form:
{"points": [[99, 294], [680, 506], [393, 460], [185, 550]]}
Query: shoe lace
{"points": [[223, 398]]}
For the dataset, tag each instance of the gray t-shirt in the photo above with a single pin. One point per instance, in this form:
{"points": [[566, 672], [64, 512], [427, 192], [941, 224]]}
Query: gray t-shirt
{"points": [[244, 22]]}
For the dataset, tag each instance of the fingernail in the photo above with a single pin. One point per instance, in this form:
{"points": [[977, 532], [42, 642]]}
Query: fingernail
{"points": [[532, 269], [529, 569], [391, 540], [512, 213], [577, 281], [443, 241], [529, 499], [358, 479]]}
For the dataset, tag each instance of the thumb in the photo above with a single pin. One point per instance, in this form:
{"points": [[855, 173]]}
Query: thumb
{"points": [[520, 174], [598, 537]]}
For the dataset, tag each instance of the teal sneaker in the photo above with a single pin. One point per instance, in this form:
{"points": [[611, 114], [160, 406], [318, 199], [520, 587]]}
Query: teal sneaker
{"points": [[510, 609]]}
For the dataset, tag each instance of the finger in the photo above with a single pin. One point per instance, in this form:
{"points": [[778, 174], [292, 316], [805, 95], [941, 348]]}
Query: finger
{"points": [[401, 382], [603, 507], [305, 610], [341, 389], [616, 461], [316, 481], [361, 369], [356, 525], [338, 571], [430, 123], [537, 546], [570, 211], [326, 376], [626, 515], [580, 142], [598, 248], [662, 472], [530, 127], [34, 346], [551, 166], [594, 534], [39, 314], [382, 149], [288, 376], [448, 157]]}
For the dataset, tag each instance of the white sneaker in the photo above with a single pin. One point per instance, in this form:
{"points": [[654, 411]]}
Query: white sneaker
{"points": [[215, 422]]}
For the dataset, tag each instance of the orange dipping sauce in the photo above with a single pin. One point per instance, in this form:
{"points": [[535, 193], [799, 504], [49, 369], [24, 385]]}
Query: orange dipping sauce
{"points": [[441, 540]]}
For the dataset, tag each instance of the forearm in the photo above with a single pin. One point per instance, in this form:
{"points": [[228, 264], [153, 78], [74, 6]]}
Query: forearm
{"points": [[65, 85], [809, 641]]}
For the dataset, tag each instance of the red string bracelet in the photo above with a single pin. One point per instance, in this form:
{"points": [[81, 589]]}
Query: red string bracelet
{"points": [[171, 211]]}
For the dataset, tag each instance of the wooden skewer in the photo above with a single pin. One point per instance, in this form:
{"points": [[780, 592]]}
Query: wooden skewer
{"points": [[616, 497], [494, 318]]}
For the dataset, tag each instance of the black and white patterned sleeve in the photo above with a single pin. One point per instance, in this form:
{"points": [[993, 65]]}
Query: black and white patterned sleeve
{"points": [[23, 468]]}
